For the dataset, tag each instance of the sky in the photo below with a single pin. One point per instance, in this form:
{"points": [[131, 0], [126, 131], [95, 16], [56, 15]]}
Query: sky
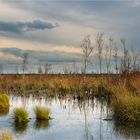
{"points": [[52, 30]]}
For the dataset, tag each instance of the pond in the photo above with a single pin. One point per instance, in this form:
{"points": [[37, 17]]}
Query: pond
{"points": [[71, 120]]}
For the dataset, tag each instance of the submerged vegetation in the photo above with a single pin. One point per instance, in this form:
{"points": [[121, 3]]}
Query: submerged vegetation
{"points": [[42, 113], [21, 115]]}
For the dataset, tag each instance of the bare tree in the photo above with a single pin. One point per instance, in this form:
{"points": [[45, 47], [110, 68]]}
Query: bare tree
{"points": [[24, 62], [116, 59], [75, 67], [126, 59], [108, 55], [100, 44], [134, 58], [128, 62], [17, 69], [47, 68], [40, 71], [1, 68], [125, 56], [65, 70], [87, 49]]}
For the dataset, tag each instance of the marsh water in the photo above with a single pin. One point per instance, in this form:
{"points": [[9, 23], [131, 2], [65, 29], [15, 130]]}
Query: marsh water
{"points": [[71, 120]]}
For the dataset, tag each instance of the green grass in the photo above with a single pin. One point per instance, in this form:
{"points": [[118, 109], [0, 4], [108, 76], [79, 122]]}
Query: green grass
{"points": [[21, 115], [6, 136], [4, 102], [42, 113]]}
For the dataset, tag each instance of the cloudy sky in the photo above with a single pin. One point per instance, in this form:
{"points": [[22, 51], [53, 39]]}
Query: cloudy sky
{"points": [[52, 30]]}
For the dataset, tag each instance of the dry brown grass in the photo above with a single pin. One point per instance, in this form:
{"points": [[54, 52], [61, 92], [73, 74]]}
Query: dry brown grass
{"points": [[126, 101]]}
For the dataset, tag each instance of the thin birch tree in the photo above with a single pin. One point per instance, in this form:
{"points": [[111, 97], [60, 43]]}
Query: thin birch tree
{"points": [[87, 50]]}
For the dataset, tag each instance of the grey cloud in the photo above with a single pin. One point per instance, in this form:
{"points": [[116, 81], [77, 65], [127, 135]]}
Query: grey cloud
{"points": [[116, 18], [19, 27], [41, 57]]}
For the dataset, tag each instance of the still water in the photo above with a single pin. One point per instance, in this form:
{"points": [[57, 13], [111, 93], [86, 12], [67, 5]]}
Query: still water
{"points": [[71, 120]]}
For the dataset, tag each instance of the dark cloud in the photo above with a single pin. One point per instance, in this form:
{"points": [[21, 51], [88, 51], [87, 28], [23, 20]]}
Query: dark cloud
{"points": [[19, 27], [41, 57]]}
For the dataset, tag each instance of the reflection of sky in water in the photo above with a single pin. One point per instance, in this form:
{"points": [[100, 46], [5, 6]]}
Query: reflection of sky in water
{"points": [[68, 121]]}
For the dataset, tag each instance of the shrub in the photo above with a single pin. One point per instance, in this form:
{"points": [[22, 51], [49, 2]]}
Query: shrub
{"points": [[42, 113], [21, 115]]}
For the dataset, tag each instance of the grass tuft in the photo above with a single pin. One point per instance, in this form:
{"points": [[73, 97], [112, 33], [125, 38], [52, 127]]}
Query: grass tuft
{"points": [[126, 107], [4, 102], [42, 113], [21, 115], [6, 136]]}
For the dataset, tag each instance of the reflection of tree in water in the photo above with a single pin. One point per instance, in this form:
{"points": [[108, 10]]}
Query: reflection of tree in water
{"points": [[42, 124], [86, 106], [129, 130], [87, 135], [20, 127]]}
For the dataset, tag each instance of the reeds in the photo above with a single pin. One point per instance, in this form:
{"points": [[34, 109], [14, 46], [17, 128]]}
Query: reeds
{"points": [[126, 106]]}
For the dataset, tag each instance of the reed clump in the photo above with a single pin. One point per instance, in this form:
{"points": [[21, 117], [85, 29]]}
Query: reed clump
{"points": [[42, 113], [126, 106], [21, 115]]}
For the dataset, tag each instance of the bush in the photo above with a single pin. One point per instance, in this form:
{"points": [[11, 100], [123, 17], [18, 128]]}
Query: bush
{"points": [[21, 115], [42, 113]]}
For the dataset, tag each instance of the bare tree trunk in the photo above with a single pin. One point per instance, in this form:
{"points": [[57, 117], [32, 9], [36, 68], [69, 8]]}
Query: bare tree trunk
{"points": [[24, 66], [124, 70], [134, 57], [87, 50], [116, 59], [47, 68], [24, 62], [108, 55], [100, 44], [1, 69]]}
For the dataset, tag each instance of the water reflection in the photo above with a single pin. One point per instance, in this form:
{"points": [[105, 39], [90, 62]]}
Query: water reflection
{"points": [[42, 124], [4, 112], [20, 127], [88, 135], [127, 130], [73, 119]]}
